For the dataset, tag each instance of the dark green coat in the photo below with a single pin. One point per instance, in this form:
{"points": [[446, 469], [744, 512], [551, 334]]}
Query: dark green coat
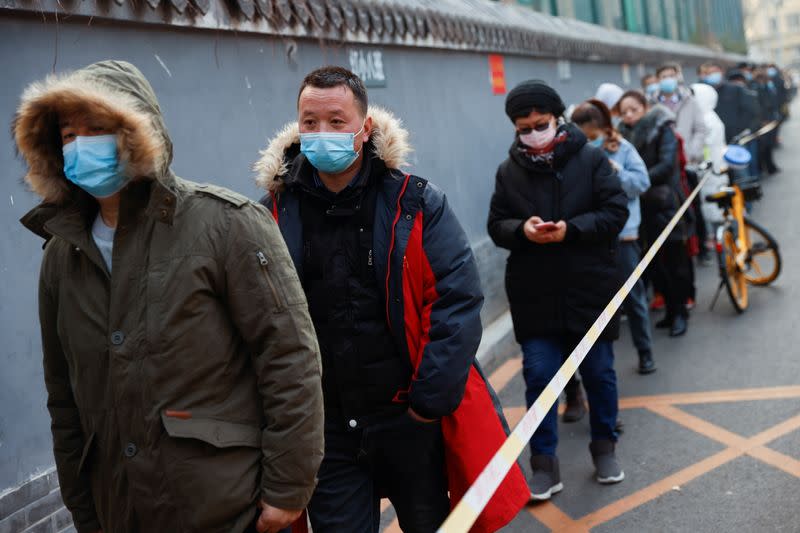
{"points": [[185, 385]]}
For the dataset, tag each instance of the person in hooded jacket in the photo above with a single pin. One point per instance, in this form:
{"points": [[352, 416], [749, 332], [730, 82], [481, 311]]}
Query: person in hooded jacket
{"points": [[182, 370], [558, 206], [609, 94], [395, 298], [650, 129], [714, 151]]}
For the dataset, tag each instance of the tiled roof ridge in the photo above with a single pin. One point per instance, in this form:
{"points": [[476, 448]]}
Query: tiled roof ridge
{"points": [[479, 25]]}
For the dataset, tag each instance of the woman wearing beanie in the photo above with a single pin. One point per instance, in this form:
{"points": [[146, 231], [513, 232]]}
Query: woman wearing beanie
{"points": [[651, 130], [558, 206]]}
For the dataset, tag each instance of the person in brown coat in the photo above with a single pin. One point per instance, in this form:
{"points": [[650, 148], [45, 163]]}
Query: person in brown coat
{"points": [[181, 365]]}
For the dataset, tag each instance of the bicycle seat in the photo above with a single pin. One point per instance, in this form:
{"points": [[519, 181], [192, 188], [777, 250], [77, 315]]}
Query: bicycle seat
{"points": [[751, 191]]}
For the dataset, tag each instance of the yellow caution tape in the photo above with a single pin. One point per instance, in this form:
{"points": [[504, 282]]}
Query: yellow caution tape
{"points": [[475, 499]]}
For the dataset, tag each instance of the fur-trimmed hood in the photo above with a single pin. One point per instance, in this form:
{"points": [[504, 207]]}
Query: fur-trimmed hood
{"points": [[388, 142], [121, 99], [649, 126]]}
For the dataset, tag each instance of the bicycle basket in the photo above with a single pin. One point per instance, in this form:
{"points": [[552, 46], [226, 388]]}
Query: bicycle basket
{"points": [[737, 156]]}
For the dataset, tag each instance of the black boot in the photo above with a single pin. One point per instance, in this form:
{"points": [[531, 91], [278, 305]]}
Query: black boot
{"points": [[546, 478], [679, 326], [576, 408], [646, 363], [665, 323]]}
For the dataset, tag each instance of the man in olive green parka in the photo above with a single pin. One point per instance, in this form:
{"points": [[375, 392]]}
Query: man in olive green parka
{"points": [[181, 365]]}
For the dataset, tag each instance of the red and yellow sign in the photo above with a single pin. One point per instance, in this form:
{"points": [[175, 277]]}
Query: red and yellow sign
{"points": [[497, 74]]}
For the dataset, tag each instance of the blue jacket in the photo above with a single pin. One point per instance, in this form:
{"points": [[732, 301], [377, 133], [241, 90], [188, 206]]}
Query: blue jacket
{"points": [[635, 181], [433, 301]]}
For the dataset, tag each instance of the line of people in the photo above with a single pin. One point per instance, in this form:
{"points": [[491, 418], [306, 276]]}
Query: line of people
{"points": [[217, 364], [582, 193], [569, 204]]}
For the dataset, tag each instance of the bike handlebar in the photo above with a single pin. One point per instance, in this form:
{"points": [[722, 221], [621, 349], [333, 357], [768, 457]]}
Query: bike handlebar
{"points": [[742, 134], [745, 136]]}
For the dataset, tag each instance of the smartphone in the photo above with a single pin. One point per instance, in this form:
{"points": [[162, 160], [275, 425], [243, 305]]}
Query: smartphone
{"points": [[545, 226]]}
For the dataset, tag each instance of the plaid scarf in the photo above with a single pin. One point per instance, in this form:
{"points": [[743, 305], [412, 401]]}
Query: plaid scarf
{"points": [[544, 156]]}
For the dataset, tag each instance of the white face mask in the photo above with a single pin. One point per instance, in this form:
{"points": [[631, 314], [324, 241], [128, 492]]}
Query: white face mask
{"points": [[539, 139]]}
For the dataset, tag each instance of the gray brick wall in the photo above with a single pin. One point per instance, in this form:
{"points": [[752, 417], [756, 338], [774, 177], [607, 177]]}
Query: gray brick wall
{"points": [[491, 262], [35, 507]]}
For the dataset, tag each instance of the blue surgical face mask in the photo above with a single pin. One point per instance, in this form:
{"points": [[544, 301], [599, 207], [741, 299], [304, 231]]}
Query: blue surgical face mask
{"points": [[715, 78], [772, 72], [668, 85], [92, 164], [598, 141], [329, 152], [652, 88], [748, 76]]}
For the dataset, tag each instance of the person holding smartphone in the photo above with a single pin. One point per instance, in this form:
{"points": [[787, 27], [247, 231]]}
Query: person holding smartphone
{"points": [[558, 206]]}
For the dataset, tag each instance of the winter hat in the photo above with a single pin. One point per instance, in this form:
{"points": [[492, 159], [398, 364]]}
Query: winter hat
{"points": [[735, 74], [530, 95], [609, 94]]}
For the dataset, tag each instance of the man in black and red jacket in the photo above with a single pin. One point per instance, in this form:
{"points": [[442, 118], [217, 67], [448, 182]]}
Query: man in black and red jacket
{"points": [[395, 298]]}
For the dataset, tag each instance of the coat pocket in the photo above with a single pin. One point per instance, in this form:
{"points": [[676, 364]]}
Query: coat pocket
{"points": [[273, 289], [283, 283], [218, 433], [213, 468]]}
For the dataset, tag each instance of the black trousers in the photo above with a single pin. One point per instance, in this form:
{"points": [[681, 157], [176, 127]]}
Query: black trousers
{"points": [[672, 275], [766, 145], [398, 458]]}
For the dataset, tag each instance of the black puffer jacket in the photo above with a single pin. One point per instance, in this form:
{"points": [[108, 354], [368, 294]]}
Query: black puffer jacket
{"points": [[768, 102], [559, 289], [654, 138], [737, 107]]}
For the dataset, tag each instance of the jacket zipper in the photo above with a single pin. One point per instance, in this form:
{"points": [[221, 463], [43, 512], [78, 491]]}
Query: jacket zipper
{"points": [[398, 212], [262, 259]]}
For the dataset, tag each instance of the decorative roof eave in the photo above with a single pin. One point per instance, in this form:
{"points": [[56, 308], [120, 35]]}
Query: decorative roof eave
{"points": [[469, 25]]}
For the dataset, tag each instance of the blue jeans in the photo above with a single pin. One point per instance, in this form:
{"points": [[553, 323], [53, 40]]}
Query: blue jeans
{"points": [[541, 359], [628, 256]]}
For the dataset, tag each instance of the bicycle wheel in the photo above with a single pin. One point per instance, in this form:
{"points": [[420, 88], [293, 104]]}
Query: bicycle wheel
{"points": [[731, 274], [763, 263]]}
